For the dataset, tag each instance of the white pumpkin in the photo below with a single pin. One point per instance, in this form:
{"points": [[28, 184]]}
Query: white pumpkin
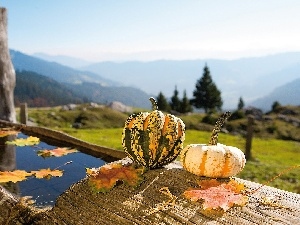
{"points": [[213, 160], [216, 161]]}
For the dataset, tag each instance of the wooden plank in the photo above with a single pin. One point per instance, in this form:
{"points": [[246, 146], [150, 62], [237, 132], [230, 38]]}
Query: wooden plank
{"points": [[15, 211], [62, 139], [124, 205]]}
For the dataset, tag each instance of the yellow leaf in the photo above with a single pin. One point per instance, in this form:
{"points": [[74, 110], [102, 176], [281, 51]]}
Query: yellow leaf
{"points": [[24, 142], [47, 173], [57, 152], [91, 171], [13, 176]]}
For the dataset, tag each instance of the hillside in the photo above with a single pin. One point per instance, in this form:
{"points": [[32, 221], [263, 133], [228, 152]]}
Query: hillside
{"points": [[102, 94], [40, 91], [63, 60], [84, 85], [86, 115], [55, 71]]}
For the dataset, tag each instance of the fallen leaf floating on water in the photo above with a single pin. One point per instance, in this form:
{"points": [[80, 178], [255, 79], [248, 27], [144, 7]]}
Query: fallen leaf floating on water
{"points": [[57, 152], [13, 176], [47, 173], [106, 177], [20, 175], [7, 132], [24, 141], [217, 195]]}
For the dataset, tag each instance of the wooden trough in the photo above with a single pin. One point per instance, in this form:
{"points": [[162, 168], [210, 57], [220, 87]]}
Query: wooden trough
{"points": [[124, 205]]}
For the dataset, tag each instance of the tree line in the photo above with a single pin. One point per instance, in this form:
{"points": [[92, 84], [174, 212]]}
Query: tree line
{"points": [[206, 96]]}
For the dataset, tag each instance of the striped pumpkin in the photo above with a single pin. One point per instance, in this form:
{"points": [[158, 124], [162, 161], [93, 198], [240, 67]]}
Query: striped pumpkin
{"points": [[216, 161], [153, 139]]}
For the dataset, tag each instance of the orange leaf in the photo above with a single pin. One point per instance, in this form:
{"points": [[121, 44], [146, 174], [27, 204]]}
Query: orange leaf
{"points": [[57, 152], [204, 184], [106, 177], [6, 132], [47, 173], [223, 195], [13, 176], [23, 142]]}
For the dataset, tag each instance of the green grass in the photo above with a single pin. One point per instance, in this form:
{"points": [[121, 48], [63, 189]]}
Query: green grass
{"points": [[56, 118], [109, 137]]}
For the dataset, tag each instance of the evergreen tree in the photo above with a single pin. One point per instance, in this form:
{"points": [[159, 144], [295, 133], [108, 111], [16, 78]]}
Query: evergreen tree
{"points": [[185, 105], [206, 95], [276, 106], [175, 101], [162, 102], [241, 104]]}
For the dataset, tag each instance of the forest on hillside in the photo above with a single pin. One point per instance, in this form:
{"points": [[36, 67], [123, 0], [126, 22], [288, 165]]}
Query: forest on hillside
{"points": [[41, 91]]}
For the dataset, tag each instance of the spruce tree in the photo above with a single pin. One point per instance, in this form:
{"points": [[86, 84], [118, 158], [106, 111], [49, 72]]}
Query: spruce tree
{"points": [[175, 101], [276, 106], [241, 104], [185, 105], [206, 95], [162, 102]]}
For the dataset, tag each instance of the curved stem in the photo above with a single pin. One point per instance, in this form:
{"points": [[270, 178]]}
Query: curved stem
{"points": [[220, 122], [154, 103]]}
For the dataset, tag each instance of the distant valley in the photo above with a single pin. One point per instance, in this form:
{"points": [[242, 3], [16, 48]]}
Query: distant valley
{"points": [[256, 80]]}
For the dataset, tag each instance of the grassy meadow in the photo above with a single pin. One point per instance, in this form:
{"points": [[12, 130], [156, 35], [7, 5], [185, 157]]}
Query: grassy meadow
{"points": [[104, 127]]}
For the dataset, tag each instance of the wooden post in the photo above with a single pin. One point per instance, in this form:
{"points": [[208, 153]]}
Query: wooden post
{"points": [[249, 137], [23, 113], [7, 74]]}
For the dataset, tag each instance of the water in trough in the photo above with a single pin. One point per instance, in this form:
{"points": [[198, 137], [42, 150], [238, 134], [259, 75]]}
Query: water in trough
{"points": [[43, 191]]}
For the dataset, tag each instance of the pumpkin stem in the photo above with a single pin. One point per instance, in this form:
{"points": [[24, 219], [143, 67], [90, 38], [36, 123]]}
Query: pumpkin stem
{"points": [[220, 122], [154, 103]]}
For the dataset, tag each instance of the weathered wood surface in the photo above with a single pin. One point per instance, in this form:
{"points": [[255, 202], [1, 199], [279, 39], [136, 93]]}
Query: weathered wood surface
{"points": [[13, 211], [124, 205], [7, 74]]}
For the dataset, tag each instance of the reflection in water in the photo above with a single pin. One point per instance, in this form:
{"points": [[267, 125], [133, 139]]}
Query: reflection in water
{"points": [[43, 191], [8, 161]]}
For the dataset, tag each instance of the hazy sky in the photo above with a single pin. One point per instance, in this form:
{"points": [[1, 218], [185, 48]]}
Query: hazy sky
{"points": [[98, 30]]}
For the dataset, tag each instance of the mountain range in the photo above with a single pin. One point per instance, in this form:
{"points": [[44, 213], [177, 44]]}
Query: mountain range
{"points": [[56, 71], [85, 85], [286, 93], [249, 78], [258, 80]]}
